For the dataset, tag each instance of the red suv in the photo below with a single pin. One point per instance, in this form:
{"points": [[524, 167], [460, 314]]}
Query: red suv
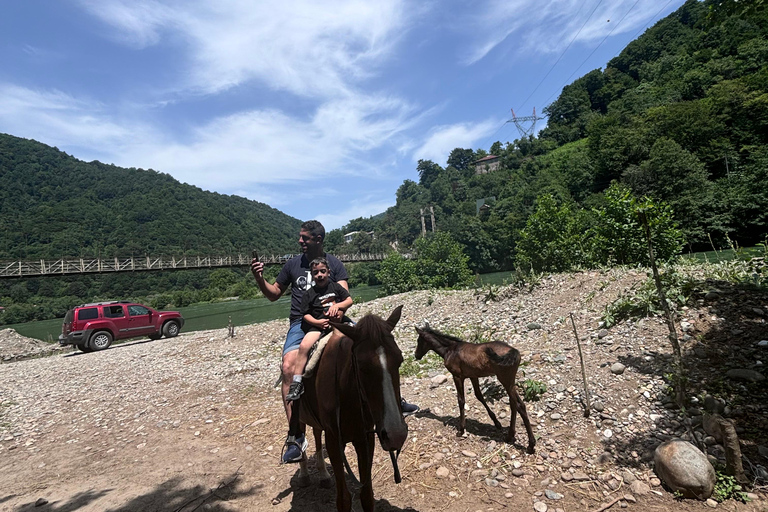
{"points": [[94, 326]]}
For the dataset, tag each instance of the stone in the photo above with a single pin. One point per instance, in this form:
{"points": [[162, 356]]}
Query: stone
{"points": [[617, 368], [468, 453], [713, 405], [533, 326], [627, 476], [681, 466], [552, 495], [555, 416], [40, 502], [437, 380], [746, 375], [442, 472], [598, 406], [521, 482], [540, 506], [602, 333], [639, 488], [711, 503], [630, 498]]}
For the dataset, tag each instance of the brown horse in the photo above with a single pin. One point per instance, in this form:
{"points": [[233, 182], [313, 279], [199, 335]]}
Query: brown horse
{"points": [[355, 393], [472, 361]]}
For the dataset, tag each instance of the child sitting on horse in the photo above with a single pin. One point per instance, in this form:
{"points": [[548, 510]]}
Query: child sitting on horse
{"points": [[325, 301]]}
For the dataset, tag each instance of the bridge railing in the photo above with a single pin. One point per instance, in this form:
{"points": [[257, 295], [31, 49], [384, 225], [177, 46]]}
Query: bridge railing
{"points": [[38, 268]]}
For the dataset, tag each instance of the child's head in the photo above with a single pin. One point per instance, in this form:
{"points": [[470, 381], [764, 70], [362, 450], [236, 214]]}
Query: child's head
{"points": [[319, 269]]}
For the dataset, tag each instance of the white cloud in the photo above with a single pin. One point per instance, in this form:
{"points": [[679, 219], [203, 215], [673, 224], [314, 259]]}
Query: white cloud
{"points": [[363, 207], [313, 49], [56, 118], [445, 139], [549, 27]]}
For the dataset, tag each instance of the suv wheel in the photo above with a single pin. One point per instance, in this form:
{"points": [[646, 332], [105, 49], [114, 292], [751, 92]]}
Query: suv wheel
{"points": [[171, 329], [100, 340]]}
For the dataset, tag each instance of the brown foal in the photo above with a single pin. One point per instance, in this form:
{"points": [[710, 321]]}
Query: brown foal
{"points": [[472, 361]]}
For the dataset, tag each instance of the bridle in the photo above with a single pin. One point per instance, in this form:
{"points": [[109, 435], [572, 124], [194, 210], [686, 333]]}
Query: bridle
{"points": [[367, 415]]}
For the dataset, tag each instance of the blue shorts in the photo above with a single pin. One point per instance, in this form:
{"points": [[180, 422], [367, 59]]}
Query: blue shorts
{"points": [[294, 337]]}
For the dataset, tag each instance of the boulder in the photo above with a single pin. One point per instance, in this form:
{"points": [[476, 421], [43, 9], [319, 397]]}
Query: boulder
{"points": [[682, 467]]}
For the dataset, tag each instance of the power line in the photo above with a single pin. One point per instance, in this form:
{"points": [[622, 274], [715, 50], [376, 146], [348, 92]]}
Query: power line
{"points": [[562, 54], [550, 69], [594, 50]]}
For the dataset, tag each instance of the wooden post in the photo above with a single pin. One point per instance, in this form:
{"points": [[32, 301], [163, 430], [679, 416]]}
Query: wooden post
{"points": [[676, 352], [583, 371]]}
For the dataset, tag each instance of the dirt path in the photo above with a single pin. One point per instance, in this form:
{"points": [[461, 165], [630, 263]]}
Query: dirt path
{"points": [[193, 423]]}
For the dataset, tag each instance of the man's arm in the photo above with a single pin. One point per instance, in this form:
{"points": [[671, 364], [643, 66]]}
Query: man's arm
{"points": [[270, 291]]}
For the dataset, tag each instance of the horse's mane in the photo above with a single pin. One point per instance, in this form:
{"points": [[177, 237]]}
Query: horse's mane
{"points": [[444, 339], [377, 331]]}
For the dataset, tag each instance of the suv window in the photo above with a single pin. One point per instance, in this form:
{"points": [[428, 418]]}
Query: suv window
{"points": [[113, 311], [137, 310], [87, 314]]}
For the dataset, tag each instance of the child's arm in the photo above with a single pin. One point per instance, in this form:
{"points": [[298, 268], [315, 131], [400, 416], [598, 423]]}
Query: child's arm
{"points": [[320, 324], [337, 309]]}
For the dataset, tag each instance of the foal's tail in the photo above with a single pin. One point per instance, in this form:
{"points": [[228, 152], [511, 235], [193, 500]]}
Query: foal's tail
{"points": [[511, 358]]}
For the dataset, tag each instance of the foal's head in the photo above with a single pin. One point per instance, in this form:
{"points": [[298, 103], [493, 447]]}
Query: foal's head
{"points": [[430, 339], [378, 360]]}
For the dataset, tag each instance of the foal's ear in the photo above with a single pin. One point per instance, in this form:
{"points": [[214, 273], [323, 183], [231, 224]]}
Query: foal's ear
{"points": [[395, 317]]}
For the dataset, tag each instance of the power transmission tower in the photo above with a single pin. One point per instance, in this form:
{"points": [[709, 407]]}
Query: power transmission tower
{"points": [[432, 218], [521, 127]]}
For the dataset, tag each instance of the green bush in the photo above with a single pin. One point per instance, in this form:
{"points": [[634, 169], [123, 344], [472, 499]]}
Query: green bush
{"points": [[617, 237], [551, 239], [438, 262]]}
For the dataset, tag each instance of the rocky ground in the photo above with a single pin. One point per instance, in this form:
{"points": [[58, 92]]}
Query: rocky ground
{"points": [[194, 423]]}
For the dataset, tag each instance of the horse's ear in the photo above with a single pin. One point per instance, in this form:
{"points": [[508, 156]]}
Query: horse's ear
{"points": [[417, 329], [395, 317], [346, 329]]}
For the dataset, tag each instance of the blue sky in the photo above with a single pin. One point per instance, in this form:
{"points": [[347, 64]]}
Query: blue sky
{"points": [[318, 108]]}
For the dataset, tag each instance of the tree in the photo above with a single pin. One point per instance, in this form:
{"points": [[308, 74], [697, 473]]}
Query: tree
{"points": [[551, 239], [617, 236], [428, 172], [461, 160]]}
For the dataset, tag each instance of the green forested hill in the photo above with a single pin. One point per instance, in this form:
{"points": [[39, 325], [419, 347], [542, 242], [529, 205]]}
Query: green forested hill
{"points": [[679, 116], [53, 205]]}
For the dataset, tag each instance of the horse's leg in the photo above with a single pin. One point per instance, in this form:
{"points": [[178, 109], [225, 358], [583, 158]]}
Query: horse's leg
{"points": [[302, 480], [343, 497], [526, 422], [322, 470], [459, 382], [364, 462], [479, 395]]}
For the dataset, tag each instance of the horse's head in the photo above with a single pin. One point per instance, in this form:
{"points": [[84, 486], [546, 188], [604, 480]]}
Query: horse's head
{"points": [[422, 347], [378, 361]]}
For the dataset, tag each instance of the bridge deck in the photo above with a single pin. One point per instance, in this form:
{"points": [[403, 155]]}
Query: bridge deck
{"points": [[40, 268]]}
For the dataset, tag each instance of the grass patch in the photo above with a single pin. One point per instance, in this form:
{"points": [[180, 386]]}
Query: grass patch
{"points": [[413, 368]]}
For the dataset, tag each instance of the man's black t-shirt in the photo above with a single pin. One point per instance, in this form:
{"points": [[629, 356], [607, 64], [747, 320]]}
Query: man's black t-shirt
{"points": [[296, 273], [316, 302]]}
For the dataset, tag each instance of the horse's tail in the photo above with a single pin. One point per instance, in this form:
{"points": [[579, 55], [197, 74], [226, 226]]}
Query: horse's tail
{"points": [[511, 358]]}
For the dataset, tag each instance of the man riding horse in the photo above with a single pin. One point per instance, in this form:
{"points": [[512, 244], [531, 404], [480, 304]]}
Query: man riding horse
{"points": [[296, 274]]}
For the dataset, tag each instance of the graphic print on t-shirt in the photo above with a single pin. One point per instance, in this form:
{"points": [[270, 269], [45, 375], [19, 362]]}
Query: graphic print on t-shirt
{"points": [[305, 282]]}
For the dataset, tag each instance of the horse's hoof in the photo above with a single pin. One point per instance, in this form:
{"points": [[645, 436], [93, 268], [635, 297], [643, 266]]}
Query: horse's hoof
{"points": [[303, 481], [326, 483], [530, 449], [459, 433]]}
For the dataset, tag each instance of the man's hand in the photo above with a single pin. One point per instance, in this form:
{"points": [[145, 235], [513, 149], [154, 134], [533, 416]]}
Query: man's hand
{"points": [[257, 268]]}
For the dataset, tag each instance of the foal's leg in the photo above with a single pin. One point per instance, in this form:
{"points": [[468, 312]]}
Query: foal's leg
{"points": [[364, 463], [479, 395], [322, 470], [459, 383], [526, 422]]}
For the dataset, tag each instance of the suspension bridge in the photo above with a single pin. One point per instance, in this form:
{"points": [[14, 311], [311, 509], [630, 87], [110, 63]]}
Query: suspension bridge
{"points": [[61, 267]]}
